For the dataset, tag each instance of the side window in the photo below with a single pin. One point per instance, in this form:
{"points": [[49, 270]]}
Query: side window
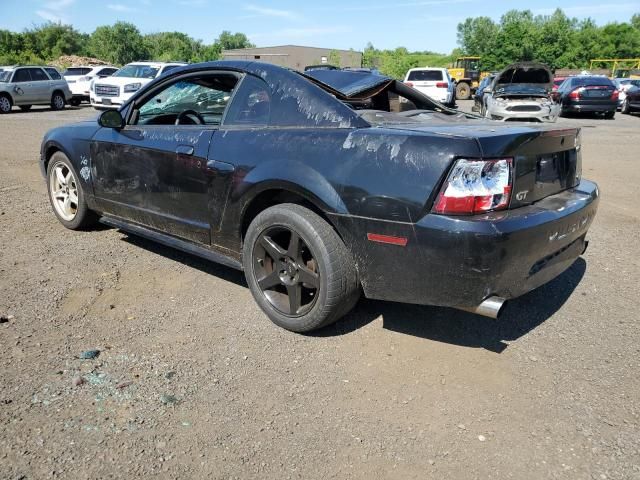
{"points": [[251, 104], [38, 75], [193, 101], [22, 75], [53, 73]]}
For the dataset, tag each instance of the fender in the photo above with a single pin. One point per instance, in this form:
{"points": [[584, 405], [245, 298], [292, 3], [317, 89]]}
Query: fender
{"points": [[76, 148]]}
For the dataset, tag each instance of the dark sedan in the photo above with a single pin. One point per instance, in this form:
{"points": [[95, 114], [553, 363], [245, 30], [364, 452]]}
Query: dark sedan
{"points": [[631, 102], [320, 189], [588, 94]]}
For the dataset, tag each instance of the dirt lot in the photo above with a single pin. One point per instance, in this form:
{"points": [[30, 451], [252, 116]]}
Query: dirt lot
{"points": [[193, 381]]}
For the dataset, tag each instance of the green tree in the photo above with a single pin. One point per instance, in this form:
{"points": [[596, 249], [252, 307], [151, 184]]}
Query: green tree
{"points": [[334, 58], [174, 46], [119, 44], [230, 41]]}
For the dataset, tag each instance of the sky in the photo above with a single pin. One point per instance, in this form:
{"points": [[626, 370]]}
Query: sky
{"points": [[417, 25]]}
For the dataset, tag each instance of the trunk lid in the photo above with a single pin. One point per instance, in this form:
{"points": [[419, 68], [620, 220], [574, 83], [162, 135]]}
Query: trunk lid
{"points": [[546, 160]]}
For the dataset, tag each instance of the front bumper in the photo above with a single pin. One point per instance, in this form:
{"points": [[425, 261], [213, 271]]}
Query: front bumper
{"points": [[505, 113], [459, 261], [110, 102]]}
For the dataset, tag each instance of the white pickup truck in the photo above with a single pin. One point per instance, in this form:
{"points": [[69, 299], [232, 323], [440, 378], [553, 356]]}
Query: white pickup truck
{"points": [[114, 91]]}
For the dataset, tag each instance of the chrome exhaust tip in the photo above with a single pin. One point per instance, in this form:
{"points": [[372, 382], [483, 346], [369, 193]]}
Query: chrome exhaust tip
{"points": [[490, 307]]}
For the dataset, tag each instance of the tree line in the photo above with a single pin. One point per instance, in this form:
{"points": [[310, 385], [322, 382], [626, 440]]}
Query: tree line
{"points": [[118, 44], [556, 39]]}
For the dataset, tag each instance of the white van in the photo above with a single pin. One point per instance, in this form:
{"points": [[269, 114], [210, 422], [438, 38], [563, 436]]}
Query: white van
{"points": [[433, 82]]}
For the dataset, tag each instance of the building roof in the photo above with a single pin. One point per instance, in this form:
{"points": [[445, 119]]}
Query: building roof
{"points": [[287, 46]]}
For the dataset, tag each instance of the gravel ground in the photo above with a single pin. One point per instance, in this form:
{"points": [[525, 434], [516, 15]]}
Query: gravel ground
{"points": [[193, 381]]}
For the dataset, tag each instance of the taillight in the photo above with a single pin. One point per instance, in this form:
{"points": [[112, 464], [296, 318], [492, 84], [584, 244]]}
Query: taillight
{"points": [[408, 84], [615, 95], [575, 94], [476, 186], [442, 85]]}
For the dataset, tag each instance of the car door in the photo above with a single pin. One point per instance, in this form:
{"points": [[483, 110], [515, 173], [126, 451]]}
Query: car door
{"points": [[23, 87], [154, 171], [41, 88]]}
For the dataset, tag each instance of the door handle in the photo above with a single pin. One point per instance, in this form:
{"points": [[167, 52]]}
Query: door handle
{"points": [[184, 150]]}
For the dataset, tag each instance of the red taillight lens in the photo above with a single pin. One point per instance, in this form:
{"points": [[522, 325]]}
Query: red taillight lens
{"points": [[615, 95], [408, 84], [476, 186], [442, 85], [575, 94]]}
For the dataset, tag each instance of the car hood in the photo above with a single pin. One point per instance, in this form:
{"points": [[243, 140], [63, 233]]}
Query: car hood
{"points": [[531, 75], [121, 81]]}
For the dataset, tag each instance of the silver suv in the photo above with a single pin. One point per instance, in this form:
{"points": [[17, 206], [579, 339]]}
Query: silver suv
{"points": [[31, 85]]}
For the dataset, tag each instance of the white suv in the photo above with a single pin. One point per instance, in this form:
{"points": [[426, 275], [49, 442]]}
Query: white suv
{"points": [[433, 82], [80, 78], [114, 91]]}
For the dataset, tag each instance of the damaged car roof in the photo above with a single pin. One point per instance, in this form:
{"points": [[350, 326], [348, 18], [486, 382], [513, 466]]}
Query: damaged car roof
{"points": [[350, 83]]}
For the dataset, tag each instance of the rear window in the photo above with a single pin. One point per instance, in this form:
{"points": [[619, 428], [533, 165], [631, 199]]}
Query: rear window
{"points": [[582, 81], [5, 76], [53, 73], [426, 76], [76, 71], [558, 81]]}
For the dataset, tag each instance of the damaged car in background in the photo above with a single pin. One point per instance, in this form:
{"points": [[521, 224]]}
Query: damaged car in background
{"points": [[522, 92], [321, 189]]}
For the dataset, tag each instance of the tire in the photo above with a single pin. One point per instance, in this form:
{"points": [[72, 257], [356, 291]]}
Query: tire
{"points": [[25, 108], [625, 107], [5, 104], [75, 102], [77, 218], [609, 115], [463, 92], [57, 101], [332, 289]]}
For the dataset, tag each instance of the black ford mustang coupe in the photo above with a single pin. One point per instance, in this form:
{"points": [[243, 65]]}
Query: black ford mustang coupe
{"points": [[326, 185]]}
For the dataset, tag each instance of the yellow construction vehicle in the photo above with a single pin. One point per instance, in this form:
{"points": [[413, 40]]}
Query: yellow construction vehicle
{"points": [[467, 75], [621, 68]]}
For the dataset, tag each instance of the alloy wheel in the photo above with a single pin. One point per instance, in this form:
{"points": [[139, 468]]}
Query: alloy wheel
{"points": [[58, 102], [64, 191], [286, 271], [5, 105]]}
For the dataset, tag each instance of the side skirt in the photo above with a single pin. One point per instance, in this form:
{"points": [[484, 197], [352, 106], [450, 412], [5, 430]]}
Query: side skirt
{"points": [[172, 242]]}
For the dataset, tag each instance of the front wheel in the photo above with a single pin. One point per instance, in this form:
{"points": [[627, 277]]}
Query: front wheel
{"points": [[298, 269], [66, 194], [57, 101], [463, 92], [5, 104], [75, 102]]}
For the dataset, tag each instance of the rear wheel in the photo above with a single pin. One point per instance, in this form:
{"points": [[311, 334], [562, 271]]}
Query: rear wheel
{"points": [[74, 102], [463, 92], [25, 108], [5, 104], [66, 194], [57, 101], [298, 269], [625, 107]]}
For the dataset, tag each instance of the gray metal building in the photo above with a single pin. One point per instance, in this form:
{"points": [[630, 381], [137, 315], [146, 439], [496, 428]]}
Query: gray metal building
{"points": [[295, 56]]}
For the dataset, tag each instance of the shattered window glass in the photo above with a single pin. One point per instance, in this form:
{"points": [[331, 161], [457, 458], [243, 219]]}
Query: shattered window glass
{"points": [[195, 101], [251, 105]]}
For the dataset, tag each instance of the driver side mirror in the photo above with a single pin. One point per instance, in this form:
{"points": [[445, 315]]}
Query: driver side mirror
{"points": [[111, 119]]}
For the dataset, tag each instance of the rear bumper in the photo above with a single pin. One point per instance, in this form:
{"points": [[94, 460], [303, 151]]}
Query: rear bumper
{"points": [[460, 261], [590, 107]]}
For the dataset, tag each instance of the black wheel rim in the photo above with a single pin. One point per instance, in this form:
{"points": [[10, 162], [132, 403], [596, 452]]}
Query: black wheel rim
{"points": [[286, 271]]}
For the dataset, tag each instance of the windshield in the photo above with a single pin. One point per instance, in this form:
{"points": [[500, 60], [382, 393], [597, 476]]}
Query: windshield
{"points": [[137, 71], [5, 76]]}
